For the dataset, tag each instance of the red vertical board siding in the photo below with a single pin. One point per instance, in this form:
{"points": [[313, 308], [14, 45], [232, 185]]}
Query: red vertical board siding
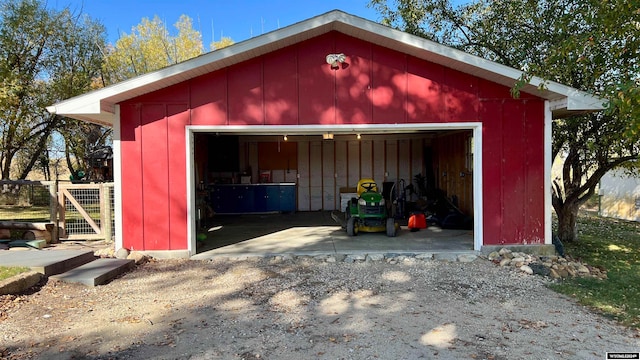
{"points": [[178, 118], [425, 102], [155, 178], [132, 189], [460, 97], [353, 81], [488, 90], [245, 93], [514, 176], [317, 81], [281, 87], [389, 95], [534, 150], [175, 93], [491, 117], [209, 99]]}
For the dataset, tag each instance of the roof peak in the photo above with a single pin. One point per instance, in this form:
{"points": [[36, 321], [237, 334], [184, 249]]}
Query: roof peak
{"points": [[99, 106]]}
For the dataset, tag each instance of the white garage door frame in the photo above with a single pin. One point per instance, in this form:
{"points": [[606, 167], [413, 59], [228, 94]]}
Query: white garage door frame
{"points": [[293, 130]]}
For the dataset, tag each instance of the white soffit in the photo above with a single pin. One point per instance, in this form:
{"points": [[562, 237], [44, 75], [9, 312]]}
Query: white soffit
{"points": [[98, 106]]}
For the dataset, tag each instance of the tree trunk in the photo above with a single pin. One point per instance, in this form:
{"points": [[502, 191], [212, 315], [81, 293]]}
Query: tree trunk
{"points": [[567, 216]]}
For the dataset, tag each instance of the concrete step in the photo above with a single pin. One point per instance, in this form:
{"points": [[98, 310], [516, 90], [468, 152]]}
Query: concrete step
{"points": [[97, 272], [47, 262]]}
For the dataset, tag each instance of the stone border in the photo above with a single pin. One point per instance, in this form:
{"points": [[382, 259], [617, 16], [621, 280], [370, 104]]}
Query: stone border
{"points": [[553, 266], [391, 258], [19, 283]]}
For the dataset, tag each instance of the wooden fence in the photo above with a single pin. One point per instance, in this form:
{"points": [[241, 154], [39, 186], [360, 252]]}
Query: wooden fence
{"points": [[82, 211]]}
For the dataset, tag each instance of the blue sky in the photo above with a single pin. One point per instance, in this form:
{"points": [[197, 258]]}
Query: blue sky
{"points": [[237, 19]]}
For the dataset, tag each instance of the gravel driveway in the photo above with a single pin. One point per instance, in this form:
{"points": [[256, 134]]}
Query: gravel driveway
{"points": [[305, 308]]}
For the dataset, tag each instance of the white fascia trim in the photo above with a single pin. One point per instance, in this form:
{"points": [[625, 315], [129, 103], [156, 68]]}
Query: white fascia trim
{"points": [[335, 129], [557, 104], [548, 161], [117, 176], [75, 107], [478, 207], [191, 193], [476, 127]]}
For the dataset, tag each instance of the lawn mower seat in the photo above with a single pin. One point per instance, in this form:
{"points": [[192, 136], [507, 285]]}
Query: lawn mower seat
{"points": [[365, 185]]}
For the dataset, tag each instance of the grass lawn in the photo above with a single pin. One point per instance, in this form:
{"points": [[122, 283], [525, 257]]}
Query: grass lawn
{"points": [[7, 272], [615, 246]]}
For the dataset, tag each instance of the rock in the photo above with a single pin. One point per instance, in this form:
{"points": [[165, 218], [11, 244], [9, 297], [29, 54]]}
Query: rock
{"points": [[465, 258], [572, 272], [107, 252], [540, 269], [507, 256], [526, 269], [138, 257], [424, 256], [288, 257], [375, 257], [353, 258], [518, 259], [562, 271], [122, 253], [494, 255], [554, 274], [409, 260], [583, 269], [445, 257], [331, 259], [505, 262], [504, 251]]}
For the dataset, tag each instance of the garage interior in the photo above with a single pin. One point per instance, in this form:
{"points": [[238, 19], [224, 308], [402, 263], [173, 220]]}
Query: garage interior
{"points": [[249, 186]]}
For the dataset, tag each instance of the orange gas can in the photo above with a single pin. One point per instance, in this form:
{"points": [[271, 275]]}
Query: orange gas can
{"points": [[417, 221]]}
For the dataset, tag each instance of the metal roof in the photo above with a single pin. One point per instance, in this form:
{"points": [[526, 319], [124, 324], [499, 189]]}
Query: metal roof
{"points": [[98, 106]]}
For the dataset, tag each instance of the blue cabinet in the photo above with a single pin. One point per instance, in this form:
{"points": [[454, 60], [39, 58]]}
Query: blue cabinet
{"points": [[232, 199], [287, 198], [266, 198], [254, 198]]}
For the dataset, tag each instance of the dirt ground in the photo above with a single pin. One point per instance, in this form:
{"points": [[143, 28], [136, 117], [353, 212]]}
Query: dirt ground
{"points": [[305, 308]]}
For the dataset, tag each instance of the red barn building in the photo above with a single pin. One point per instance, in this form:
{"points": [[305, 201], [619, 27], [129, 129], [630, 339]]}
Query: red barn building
{"points": [[396, 105]]}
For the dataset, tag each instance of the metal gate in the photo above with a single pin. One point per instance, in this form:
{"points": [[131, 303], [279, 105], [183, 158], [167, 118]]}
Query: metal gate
{"points": [[85, 211]]}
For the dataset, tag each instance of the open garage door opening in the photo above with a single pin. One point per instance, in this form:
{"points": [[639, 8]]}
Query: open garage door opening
{"points": [[278, 188]]}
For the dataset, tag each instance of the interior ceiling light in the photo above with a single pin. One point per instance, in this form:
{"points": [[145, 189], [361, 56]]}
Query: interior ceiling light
{"points": [[285, 138], [359, 137], [327, 136]]}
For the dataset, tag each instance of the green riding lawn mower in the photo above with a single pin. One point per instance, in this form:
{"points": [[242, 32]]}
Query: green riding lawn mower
{"points": [[368, 212]]}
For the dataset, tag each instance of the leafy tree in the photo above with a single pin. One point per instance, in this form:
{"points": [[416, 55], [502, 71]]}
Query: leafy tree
{"points": [[150, 47], [78, 64], [591, 45], [222, 43], [45, 56]]}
